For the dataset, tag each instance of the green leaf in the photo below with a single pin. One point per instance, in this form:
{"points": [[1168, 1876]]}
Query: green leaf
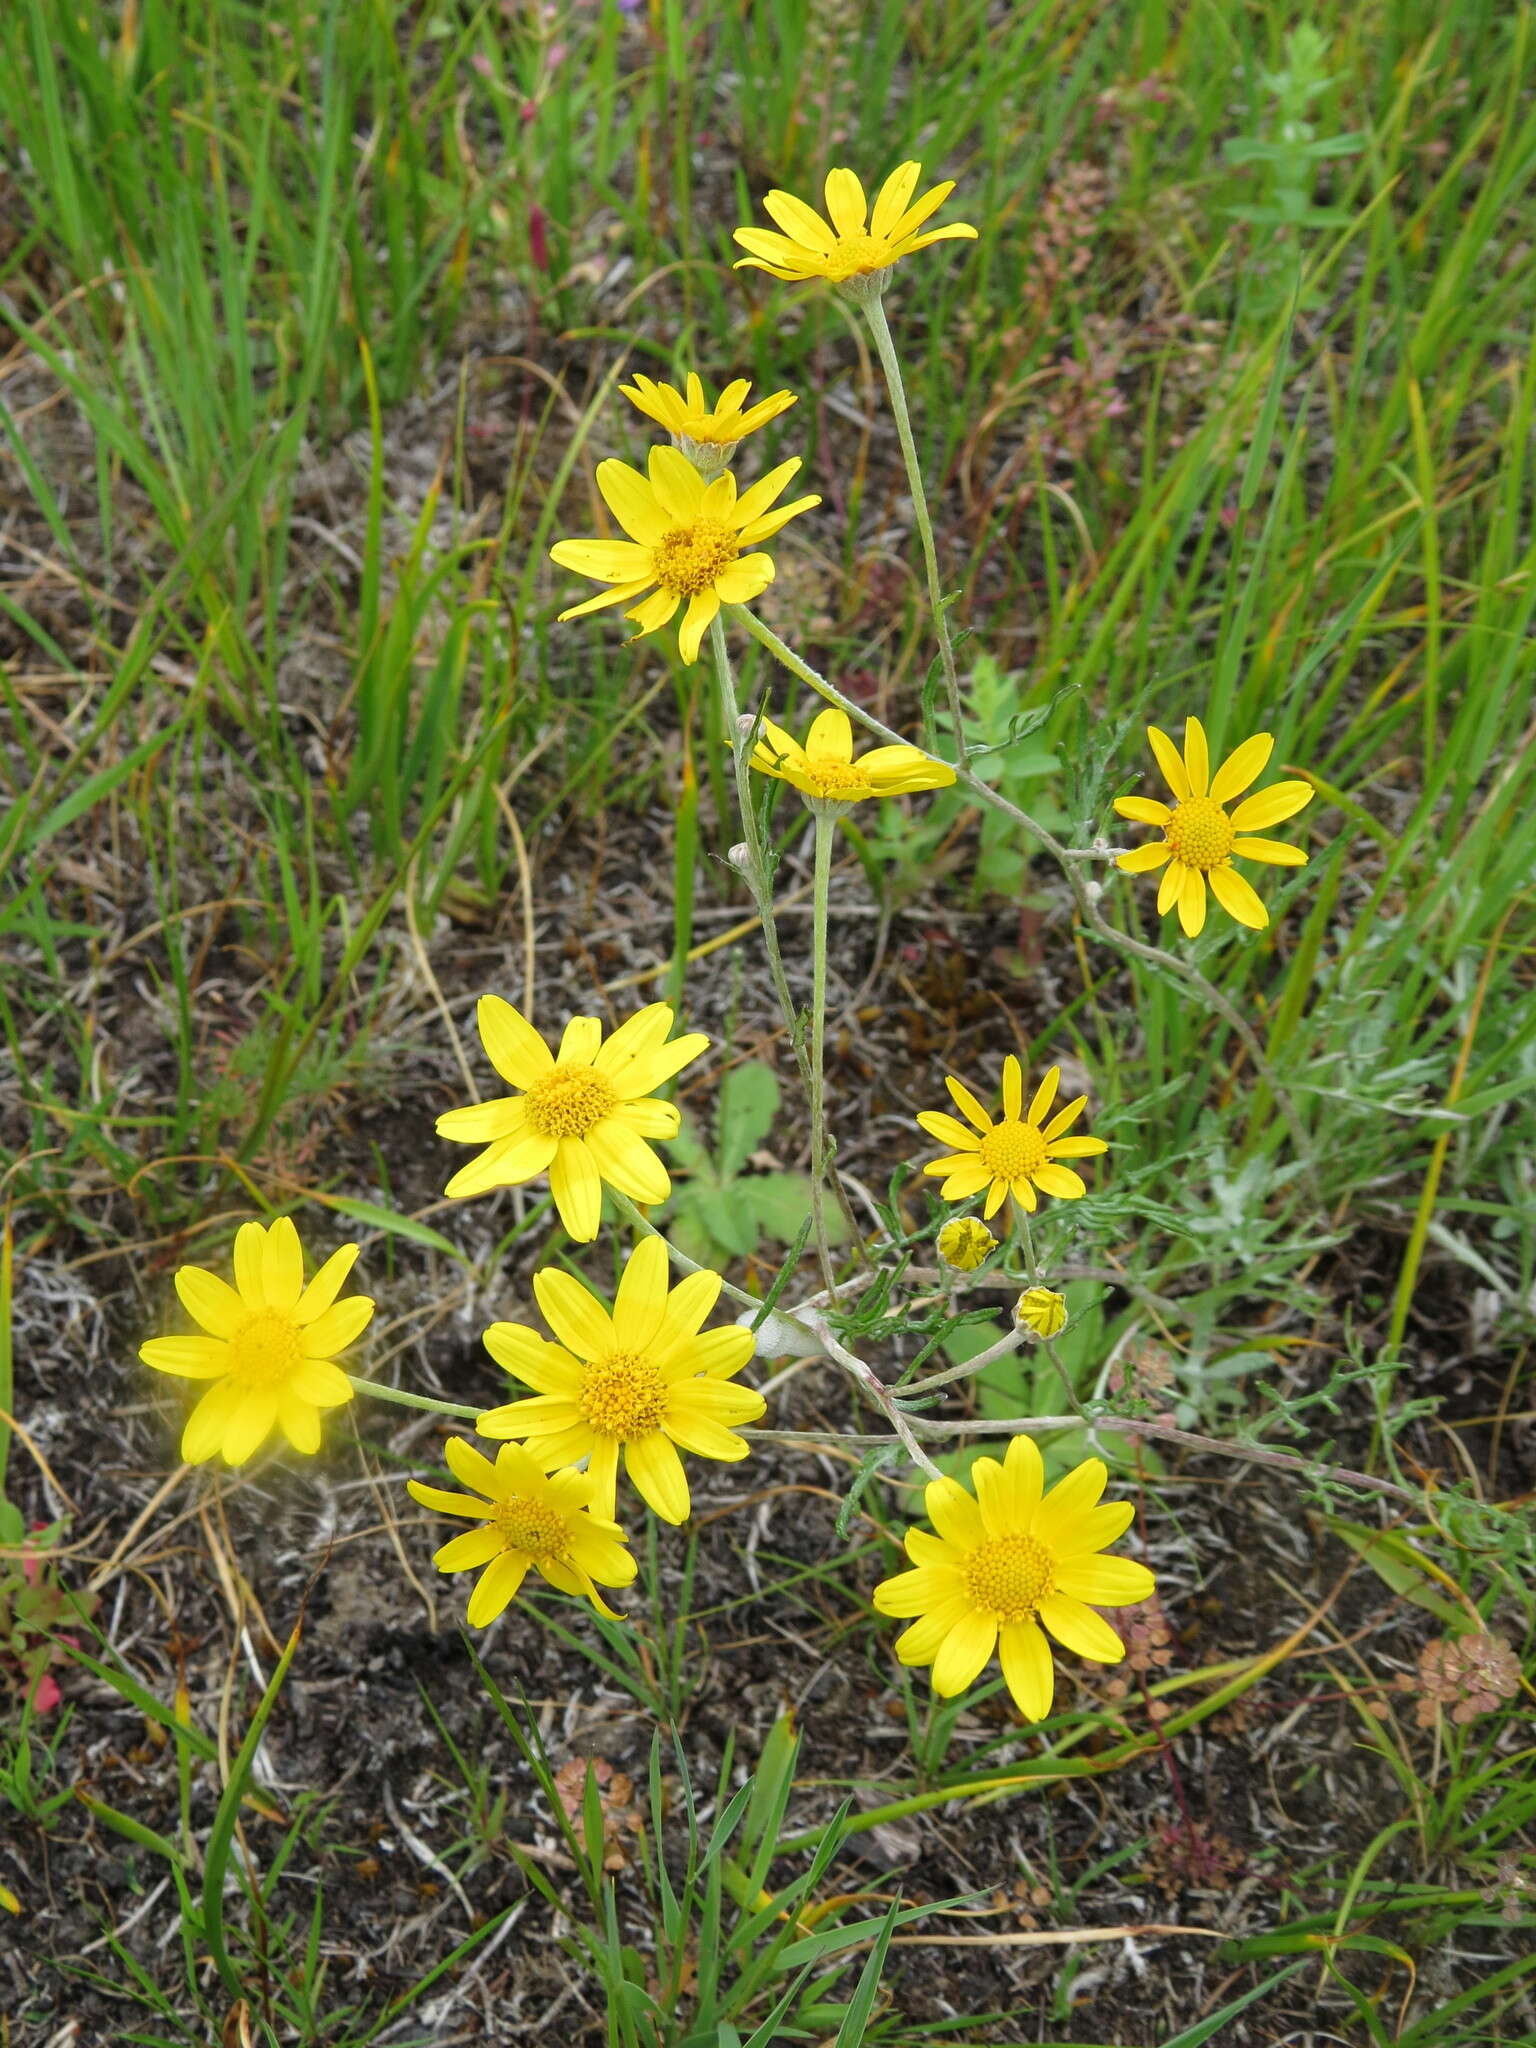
{"points": [[1397, 1564], [749, 1102], [781, 1202], [393, 1225]]}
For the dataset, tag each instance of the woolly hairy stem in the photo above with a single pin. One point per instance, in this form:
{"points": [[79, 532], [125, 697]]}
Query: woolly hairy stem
{"points": [[681, 1260], [759, 877], [404, 1400], [820, 887], [756, 866], [879, 327]]}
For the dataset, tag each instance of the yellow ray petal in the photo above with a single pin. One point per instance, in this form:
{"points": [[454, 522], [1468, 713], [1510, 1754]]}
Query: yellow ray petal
{"points": [[629, 497], [1169, 889], [1258, 813], [1142, 810], [1276, 852], [1170, 761], [1238, 898], [1243, 765], [846, 204], [1197, 759], [701, 609], [1192, 903], [1040, 1102], [893, 198], [1026, 1660], [800, 223]]}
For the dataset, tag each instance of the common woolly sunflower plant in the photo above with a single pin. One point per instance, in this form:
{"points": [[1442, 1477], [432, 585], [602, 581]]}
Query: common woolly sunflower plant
{"points": [[641, 1383], [268, 1345], [1201, 838], [584, 1115], [1020, 1154], [853, 241], [688, 543], [1010, 1558], [825, 769], [531, 1518]]}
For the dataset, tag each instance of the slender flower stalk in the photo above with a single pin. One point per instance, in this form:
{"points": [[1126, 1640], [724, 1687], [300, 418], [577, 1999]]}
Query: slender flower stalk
{"points": [[403, 1399], [822, 814], [759, 876], [873, 309], [756, 868]]}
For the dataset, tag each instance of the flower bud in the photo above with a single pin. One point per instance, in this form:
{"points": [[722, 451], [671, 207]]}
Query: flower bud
{"points": [[964, 1242], [1041, 1311]]}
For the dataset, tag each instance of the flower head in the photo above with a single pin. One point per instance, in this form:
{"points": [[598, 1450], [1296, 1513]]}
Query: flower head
{"points": [[584, 1115], [530, 1518], [1005, 1560], [1016, 1156], [685, 538], [268, 1348], [1041, 1310], [824, 768], [965, 1243], [699, 426], [644, 1380], [1200, 838], [852, 243]]}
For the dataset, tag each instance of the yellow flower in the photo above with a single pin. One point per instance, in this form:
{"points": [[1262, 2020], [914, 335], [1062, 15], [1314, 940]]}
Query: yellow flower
{"points": [[810, 247], [965, 1243], [1200, 838], [643, 1380], [1040, 1310], [686, 537], [1006, 1560], [585, 1113], [824, 768], [1015, 1156], [527, 1520], [269, 1345], [720, 425]]}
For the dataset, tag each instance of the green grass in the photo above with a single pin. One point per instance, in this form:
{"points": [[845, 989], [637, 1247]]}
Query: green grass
{"points": [[313, 321]]}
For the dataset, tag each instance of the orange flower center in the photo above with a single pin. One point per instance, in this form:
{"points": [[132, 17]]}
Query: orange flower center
{"points": [[623, 1396], [690, 558], [1009, 1576], [569, 1102], [856, 255], [265, 1350], [1012, 1151], [844, 780], [1200, 833], [533, 1527]]}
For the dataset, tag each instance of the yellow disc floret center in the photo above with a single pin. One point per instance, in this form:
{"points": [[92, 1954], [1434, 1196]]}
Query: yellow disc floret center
{"points": [[1009, 1576], [1013, 1151], [1200, 833], [569, 1101], [844, 780], [855, 255], [623, 1396], [690, 558], [531, 1526], [265, 1350]]}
